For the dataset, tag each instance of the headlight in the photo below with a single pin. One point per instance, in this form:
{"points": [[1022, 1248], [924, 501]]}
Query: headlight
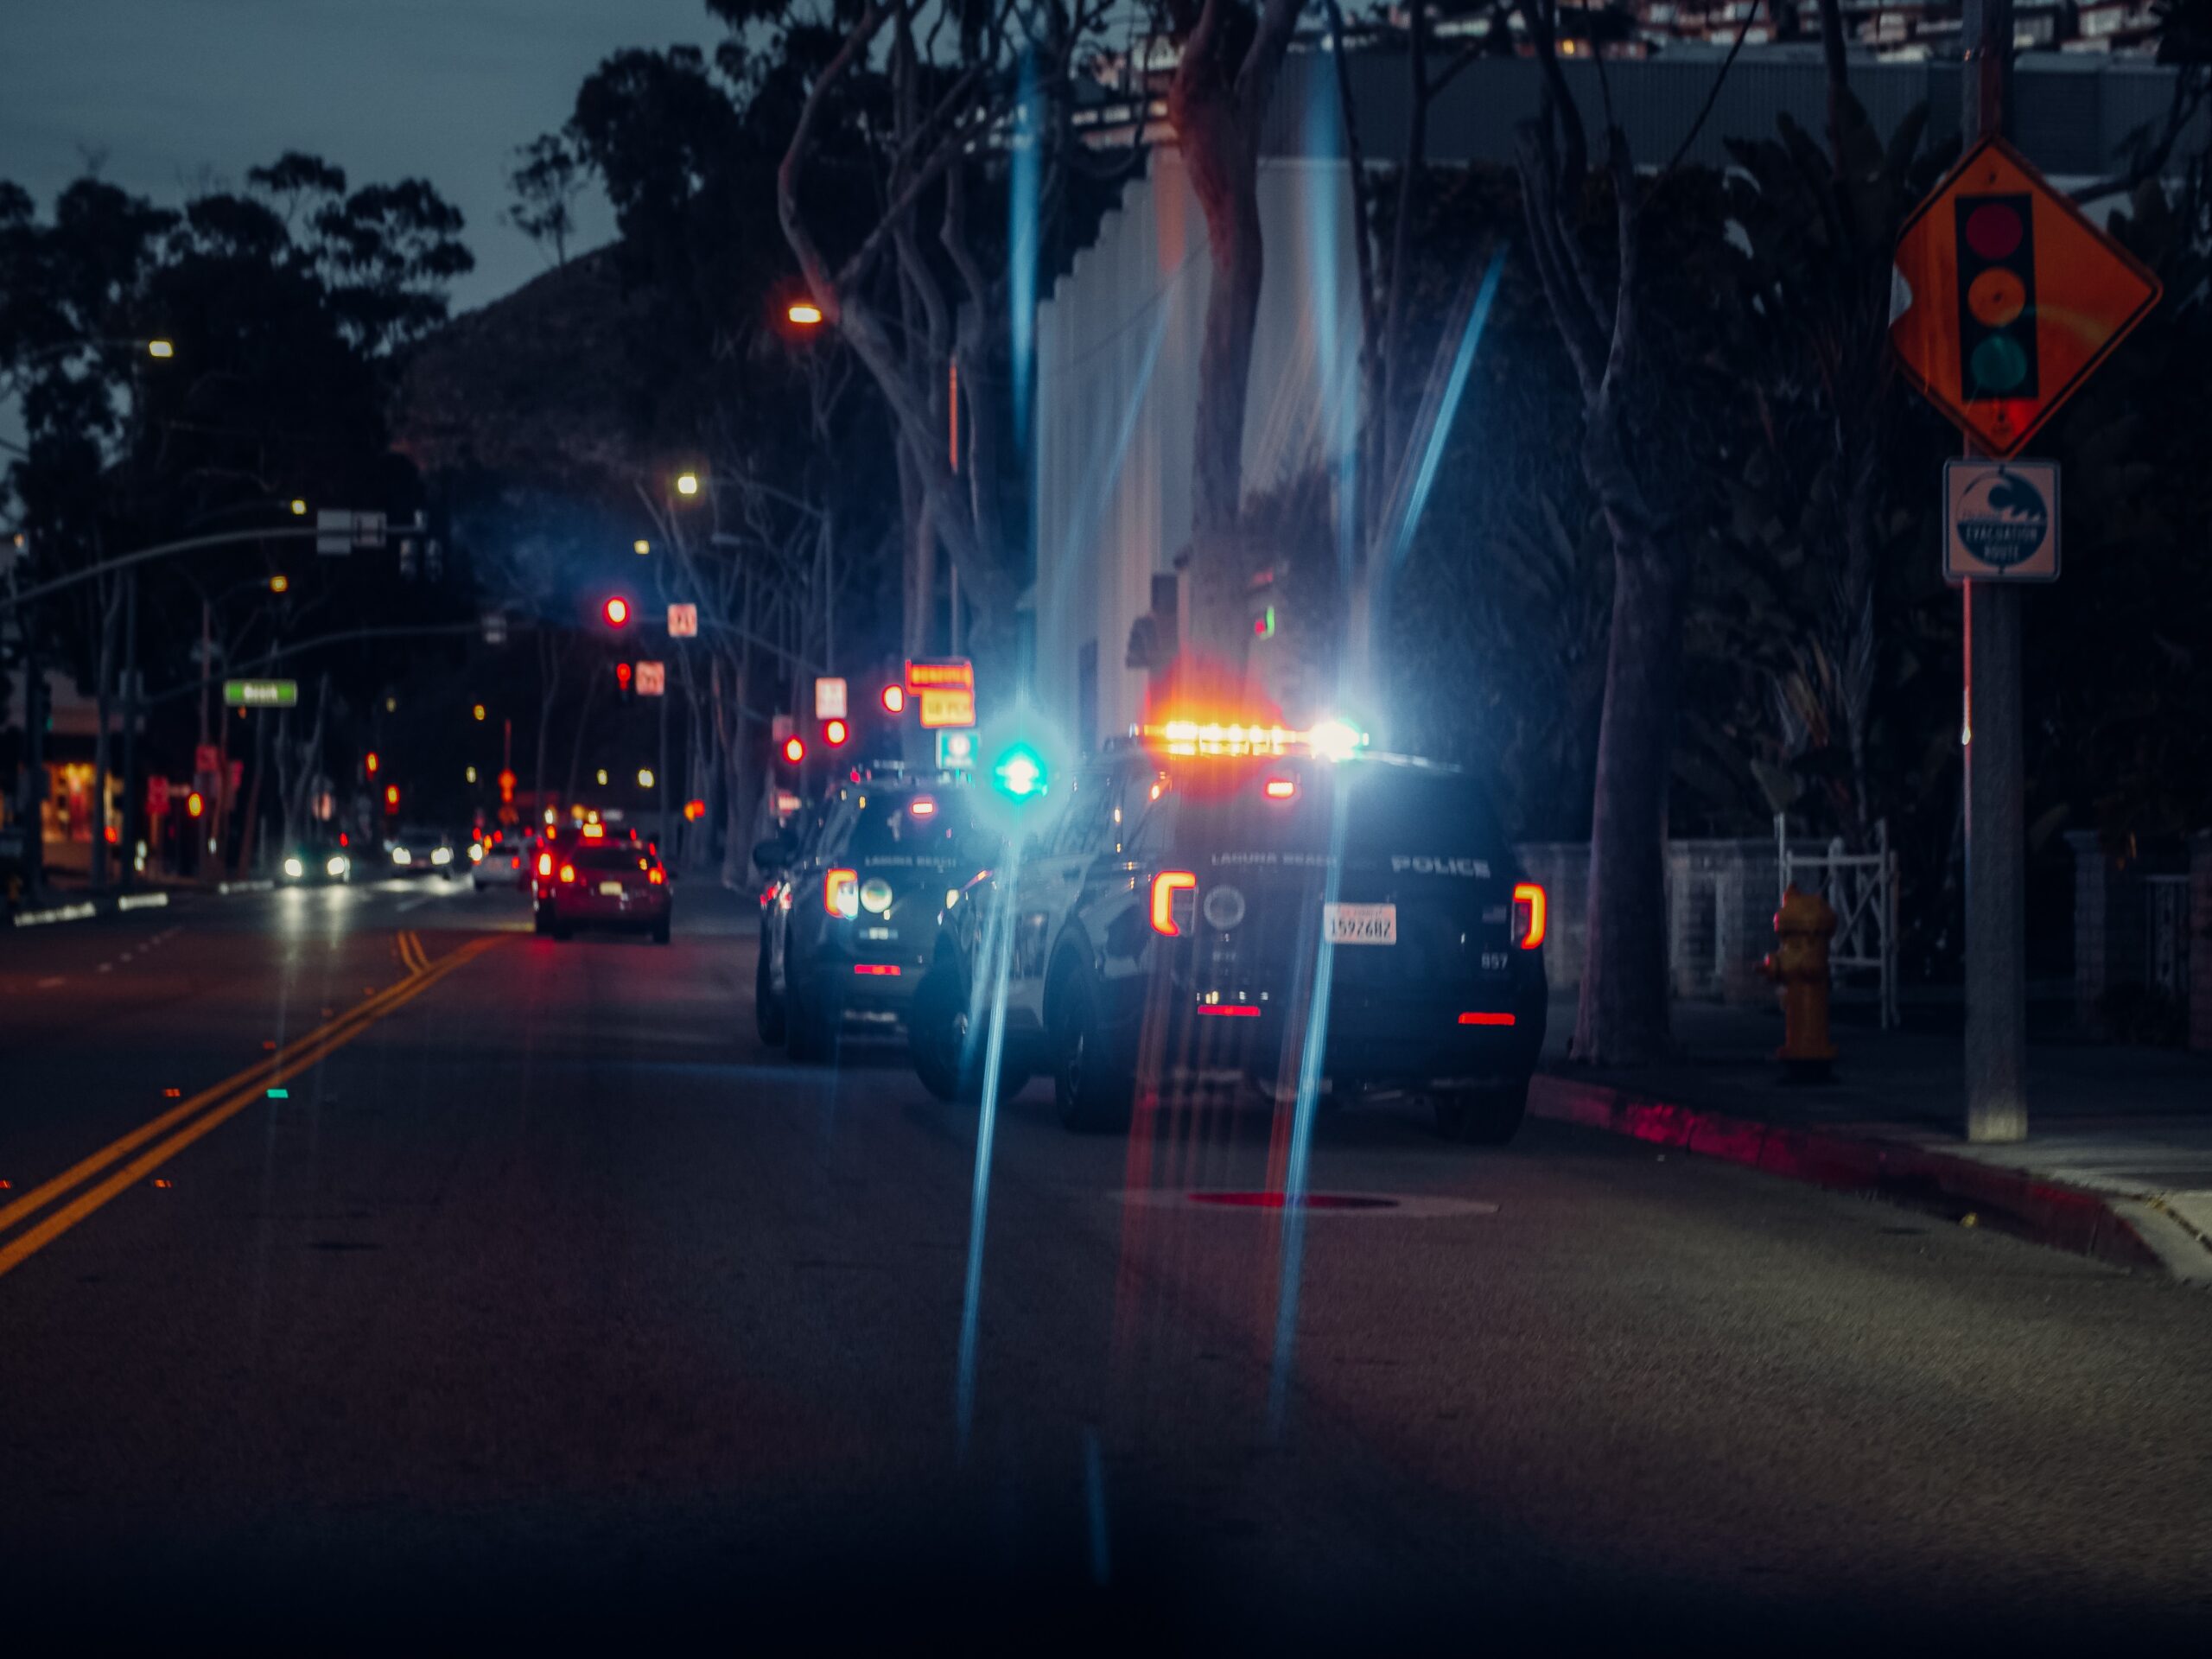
{"points": [[442, 855], [400, 856], [476, 852], [339, 866], [293, 869]]}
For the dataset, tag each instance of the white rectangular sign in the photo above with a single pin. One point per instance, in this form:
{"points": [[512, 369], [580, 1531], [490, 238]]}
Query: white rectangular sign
{"points": [[683, 621], [652, 679], [829, 699], [2000, 521]]}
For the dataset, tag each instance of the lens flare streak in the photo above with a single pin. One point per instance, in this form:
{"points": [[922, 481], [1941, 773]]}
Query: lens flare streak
{"points": [[998, 952]]}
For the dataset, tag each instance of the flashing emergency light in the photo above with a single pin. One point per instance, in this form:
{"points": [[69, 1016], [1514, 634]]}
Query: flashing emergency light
{"points": [[1019, 773]]}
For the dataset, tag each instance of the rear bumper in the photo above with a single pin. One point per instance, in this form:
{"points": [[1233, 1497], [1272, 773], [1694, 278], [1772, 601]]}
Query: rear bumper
{"points": [[837, 985], [1460, 1038], [594, 910]]}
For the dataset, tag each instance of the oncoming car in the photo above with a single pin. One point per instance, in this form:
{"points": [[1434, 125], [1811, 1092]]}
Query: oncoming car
{"points": [[310, 863], [1200, 886], [849, 928], [417, 850]]}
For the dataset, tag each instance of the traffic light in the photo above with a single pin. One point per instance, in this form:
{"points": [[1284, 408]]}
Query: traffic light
{"points": [[1997, 297], [895, 699], [369, 763], [622, 678], [392, 797], [834, 732], [794, 750], [195, 804], [616, 611]]}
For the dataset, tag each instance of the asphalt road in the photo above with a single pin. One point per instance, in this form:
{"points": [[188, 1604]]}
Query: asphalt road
{"points": [[545, 1301]]}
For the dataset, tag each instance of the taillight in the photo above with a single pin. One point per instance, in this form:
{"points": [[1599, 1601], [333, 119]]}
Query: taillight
{"points": [[545, 863], [1528, 908], [1165, 887], [568, 873], [655, 876], [840, 893], [1282, 789]]}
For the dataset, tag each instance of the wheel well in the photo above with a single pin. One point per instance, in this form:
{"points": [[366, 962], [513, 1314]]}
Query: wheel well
{"points": [[1066, 961]]}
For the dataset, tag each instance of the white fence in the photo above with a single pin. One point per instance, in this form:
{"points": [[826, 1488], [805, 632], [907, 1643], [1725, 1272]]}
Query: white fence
{"points": [[1862, 889]]}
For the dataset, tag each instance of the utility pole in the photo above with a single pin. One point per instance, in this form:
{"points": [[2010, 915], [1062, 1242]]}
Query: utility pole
{"points": [[1991, 738], [130, 800]]}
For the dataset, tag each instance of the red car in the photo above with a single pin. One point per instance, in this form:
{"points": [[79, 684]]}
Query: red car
{"points": [[598, 881]]}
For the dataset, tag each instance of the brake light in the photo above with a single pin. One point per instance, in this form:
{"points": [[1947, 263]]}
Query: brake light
{"points": [[1528, 915], [922, 807], [1231, 1010], [1282, 789], [656, 877], [545, 863], [568, 873], [594, 831], [840, 893], [877, 969], [1486, 1019], [1165, 887]]}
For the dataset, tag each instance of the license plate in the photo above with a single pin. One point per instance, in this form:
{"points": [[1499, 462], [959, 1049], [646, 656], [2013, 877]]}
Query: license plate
{"points": [[610, 889], [1361, 923]]}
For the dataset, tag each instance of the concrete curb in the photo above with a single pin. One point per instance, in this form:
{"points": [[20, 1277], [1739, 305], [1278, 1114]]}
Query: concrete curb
{"points": [[2054, 1213], [85, 909]]}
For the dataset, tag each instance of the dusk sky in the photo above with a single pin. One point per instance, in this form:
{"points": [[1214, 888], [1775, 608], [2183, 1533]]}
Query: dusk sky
{"points": [[177, 93]]}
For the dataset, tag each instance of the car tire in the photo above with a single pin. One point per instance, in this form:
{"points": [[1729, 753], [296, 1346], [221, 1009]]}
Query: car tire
{"points": [[540, 922], [561, 930], [1094, 1096], [660, 931], [767, 1006], [1482, 1117]]}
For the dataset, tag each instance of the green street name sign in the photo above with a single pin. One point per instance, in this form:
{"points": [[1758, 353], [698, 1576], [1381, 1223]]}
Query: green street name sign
{"points": [[261, 694]]}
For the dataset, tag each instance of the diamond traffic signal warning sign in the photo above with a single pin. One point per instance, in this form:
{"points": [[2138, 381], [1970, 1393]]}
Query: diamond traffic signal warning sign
{"points": [[2006, 298]]}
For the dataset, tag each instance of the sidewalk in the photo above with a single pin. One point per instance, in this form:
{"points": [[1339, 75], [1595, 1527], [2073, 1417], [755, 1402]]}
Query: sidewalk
{"points": [[2118, 1165]]}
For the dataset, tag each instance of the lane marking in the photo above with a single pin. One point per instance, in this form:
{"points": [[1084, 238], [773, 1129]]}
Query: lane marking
{"points": [[255, 1076], [49, 982], [231, 1103]]}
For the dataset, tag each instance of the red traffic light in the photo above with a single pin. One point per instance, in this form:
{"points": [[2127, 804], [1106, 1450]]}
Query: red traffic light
{"points": [[794, 749], [622, 675], [371, 763], [834, 733], [392, 797], [617, 610], [895, 699], [193, 805]]}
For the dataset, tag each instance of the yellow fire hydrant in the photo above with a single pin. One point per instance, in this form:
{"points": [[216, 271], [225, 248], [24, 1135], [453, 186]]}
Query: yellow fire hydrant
{"points": [[1799, 964]]}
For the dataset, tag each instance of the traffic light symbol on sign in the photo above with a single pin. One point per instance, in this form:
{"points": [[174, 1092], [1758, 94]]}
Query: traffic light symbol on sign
{"points": [[1997, 297]]}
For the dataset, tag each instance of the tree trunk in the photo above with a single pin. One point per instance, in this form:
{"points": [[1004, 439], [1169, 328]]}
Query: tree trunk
{"points": [[96, 852], [1622, 1015], [583, 728]]}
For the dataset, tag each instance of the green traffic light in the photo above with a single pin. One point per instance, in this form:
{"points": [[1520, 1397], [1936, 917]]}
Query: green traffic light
{"points": [[1019, 773]]}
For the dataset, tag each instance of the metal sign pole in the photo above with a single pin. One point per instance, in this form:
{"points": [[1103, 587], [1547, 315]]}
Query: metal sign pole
{"points": [[1991, 736]]}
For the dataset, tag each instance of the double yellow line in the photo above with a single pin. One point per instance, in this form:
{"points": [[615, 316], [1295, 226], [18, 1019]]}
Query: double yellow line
{"points": [[210, 1110], [411, 951]]}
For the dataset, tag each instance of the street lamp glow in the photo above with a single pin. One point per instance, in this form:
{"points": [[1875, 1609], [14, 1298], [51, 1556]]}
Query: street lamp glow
{"points": [[645, 777], [478, 711], [602, 776], [160, 348], [299, 508], [279, 584], [641, 547], [805, 312], [687, 483]]}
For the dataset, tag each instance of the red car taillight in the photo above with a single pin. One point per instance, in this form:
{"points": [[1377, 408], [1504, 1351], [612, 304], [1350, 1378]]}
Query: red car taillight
{"points": [[545, 863], [1529, 917], [655, 877], [568, 873], [1165, 887]]}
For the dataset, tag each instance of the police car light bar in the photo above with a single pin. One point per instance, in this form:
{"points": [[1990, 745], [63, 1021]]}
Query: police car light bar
{"points": [[1332, 739]]}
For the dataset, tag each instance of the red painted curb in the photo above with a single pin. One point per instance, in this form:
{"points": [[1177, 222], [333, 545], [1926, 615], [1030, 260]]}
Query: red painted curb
{"points": [[2048, 1212]]}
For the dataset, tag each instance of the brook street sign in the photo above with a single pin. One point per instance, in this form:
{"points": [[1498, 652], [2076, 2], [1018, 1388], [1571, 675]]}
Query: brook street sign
{"points": [[2004, 298], [2000, 521], [261, 694]]}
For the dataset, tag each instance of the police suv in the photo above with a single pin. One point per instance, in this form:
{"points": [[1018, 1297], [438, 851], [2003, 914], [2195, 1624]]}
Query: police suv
{"points": [[1203, 887]]}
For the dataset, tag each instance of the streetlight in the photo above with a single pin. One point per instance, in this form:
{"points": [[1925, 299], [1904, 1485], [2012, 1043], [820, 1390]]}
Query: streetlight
{"points": [[161, 349], [279, 584], [478, 711], [299, 508], [687, 483], [645, 777], [641, 547], [804, 314]]}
